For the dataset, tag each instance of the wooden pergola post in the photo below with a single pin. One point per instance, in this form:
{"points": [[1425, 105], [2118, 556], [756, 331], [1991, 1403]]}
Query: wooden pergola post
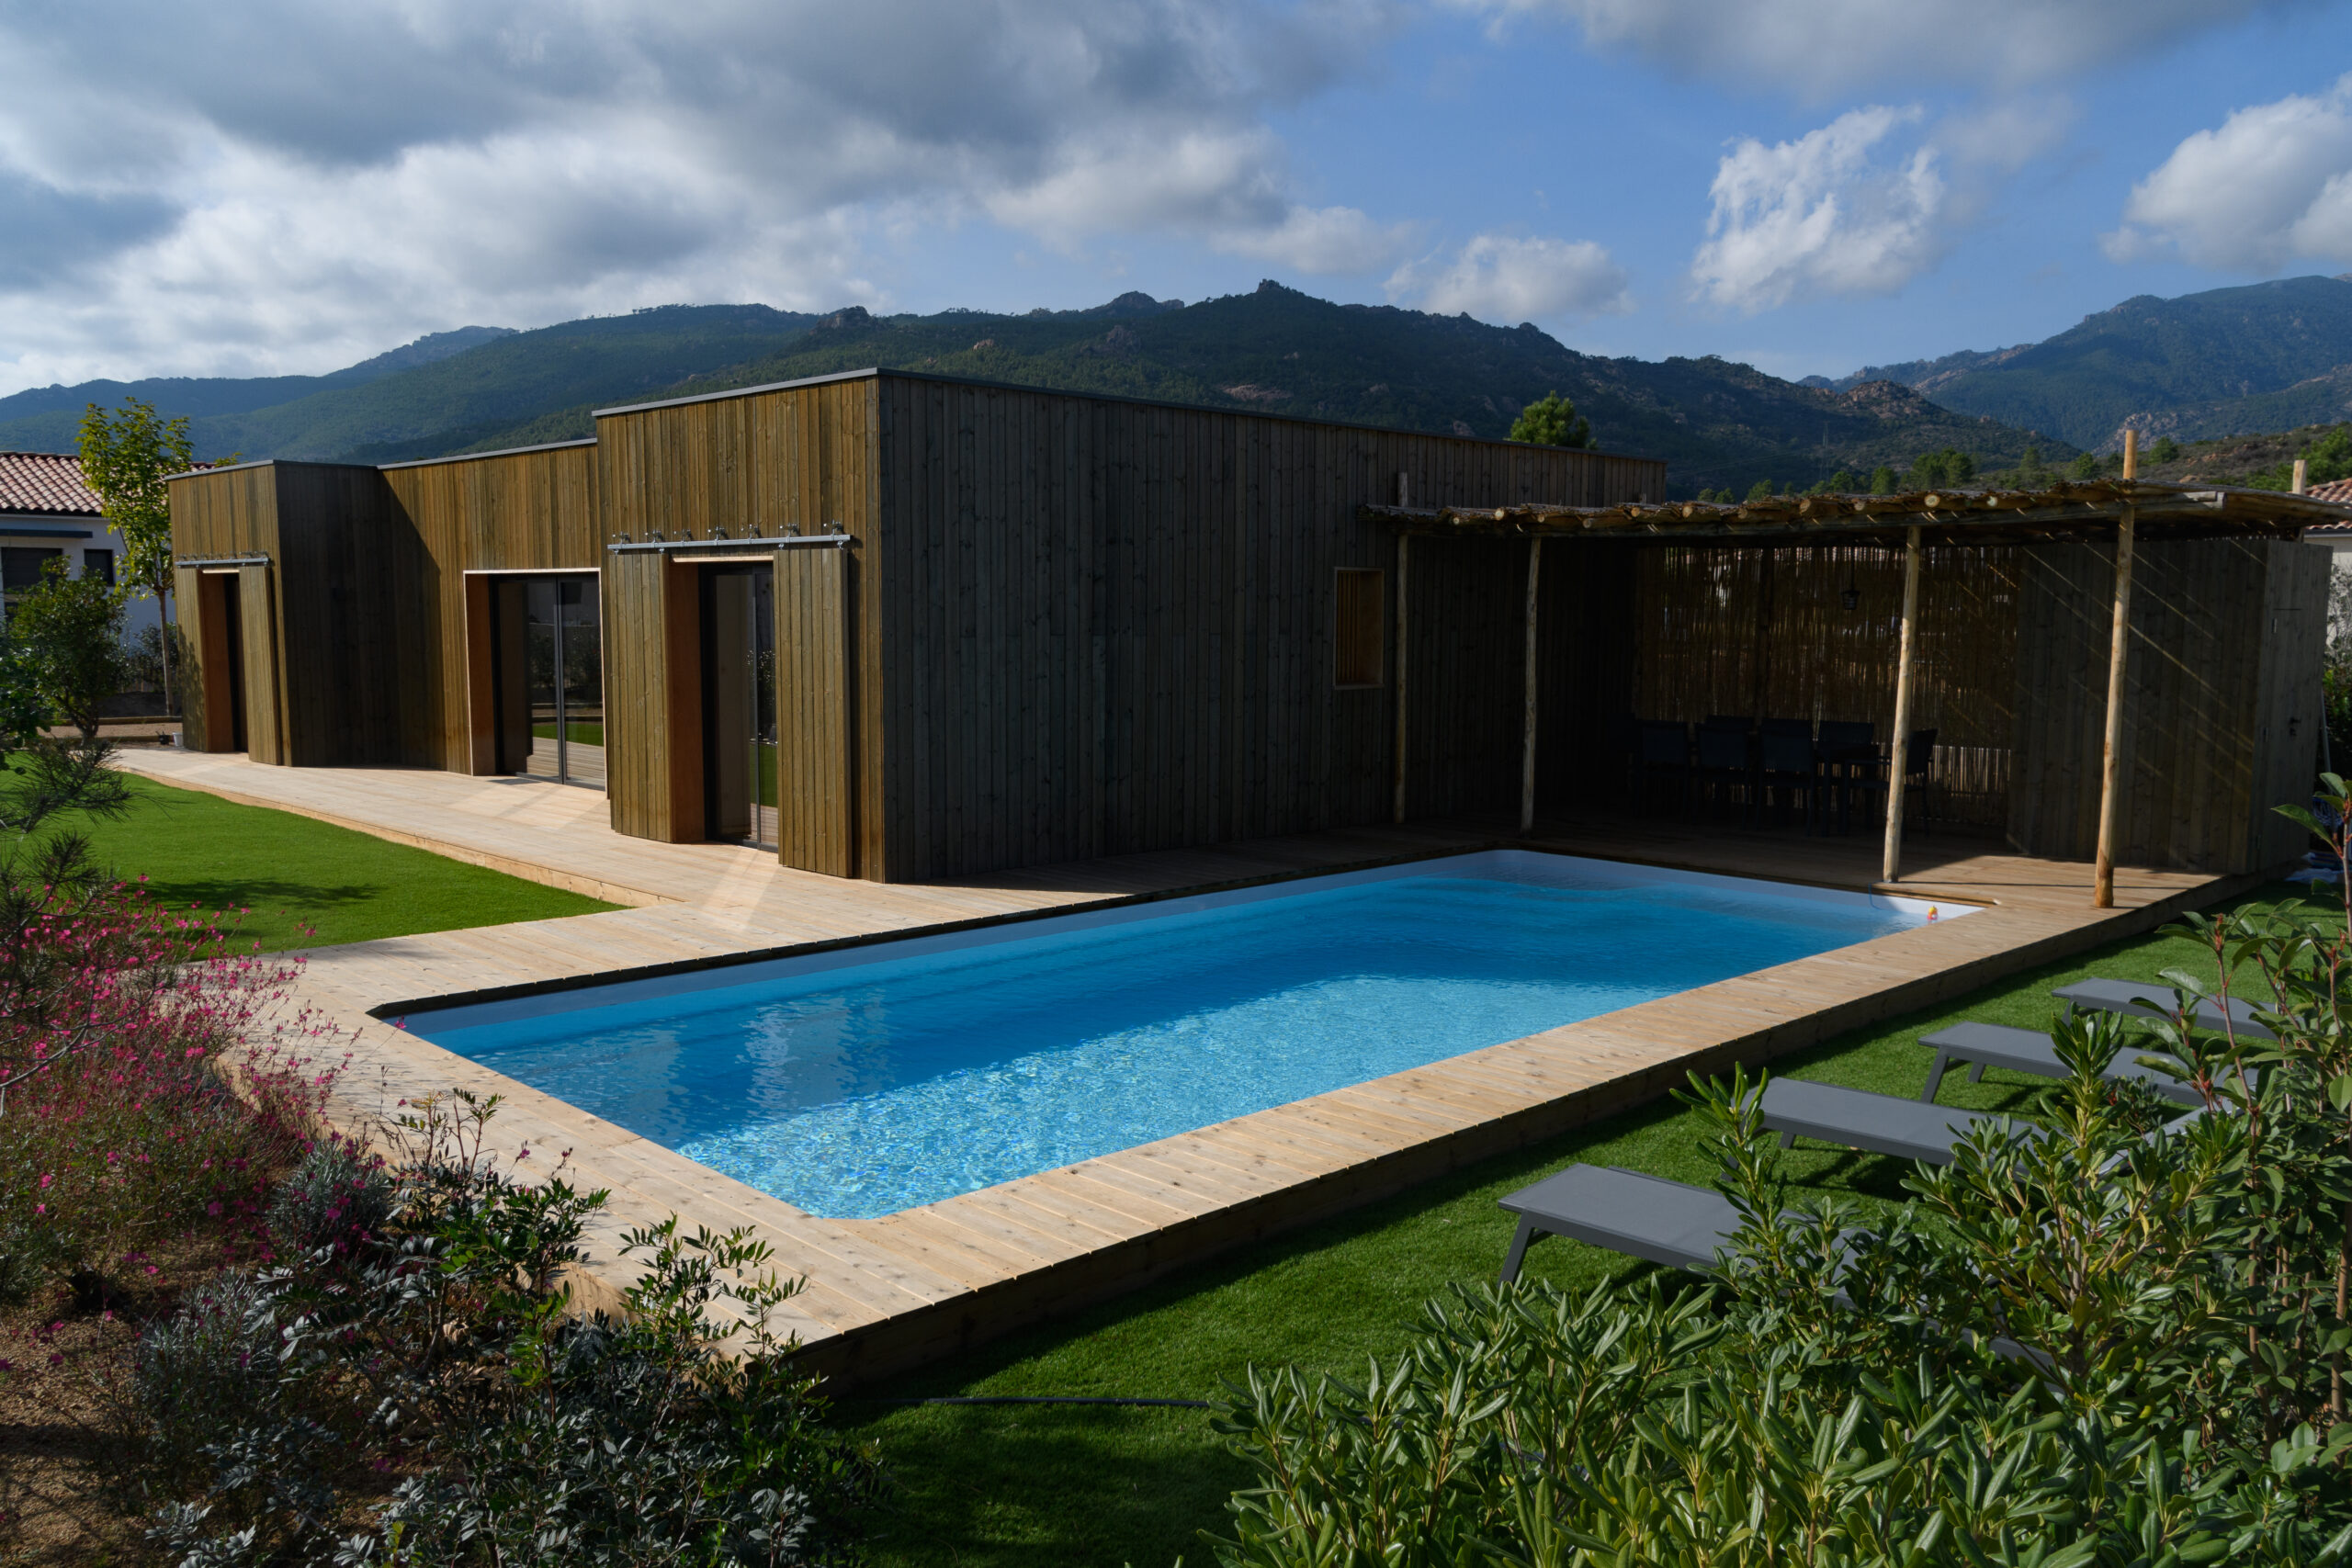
{"points": [[2119, 647], [1396, 785], [1527, 757], [1891, 864]]}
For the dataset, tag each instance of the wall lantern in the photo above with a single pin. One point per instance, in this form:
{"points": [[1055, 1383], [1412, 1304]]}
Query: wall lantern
{"points": [[1852, 596]]}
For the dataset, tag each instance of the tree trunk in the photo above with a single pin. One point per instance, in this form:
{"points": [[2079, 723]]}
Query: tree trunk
{"points": [[163, 645]]}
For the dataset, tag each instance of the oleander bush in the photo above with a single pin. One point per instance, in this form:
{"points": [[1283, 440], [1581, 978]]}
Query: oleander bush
{"points": [[2107, 1337]]}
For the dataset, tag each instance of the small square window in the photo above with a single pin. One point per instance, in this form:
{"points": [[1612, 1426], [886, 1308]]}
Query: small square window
{"points": [[20, 566], [1358, 644], [99, 564]]}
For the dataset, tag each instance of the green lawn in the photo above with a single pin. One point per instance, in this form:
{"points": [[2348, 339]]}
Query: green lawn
{"points": [[308, 883], [1082, 1486]]}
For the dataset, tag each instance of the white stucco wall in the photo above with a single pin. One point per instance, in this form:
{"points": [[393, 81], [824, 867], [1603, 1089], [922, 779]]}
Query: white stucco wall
{"points": [[74, 535]]}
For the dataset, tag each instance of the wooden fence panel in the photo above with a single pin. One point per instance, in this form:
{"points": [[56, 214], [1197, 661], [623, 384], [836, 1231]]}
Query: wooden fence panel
{"points": [[2219, 700]]}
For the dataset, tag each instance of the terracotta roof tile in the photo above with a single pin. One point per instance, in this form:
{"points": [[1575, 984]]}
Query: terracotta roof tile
{"points": [[45, 482], [2334, 490]]}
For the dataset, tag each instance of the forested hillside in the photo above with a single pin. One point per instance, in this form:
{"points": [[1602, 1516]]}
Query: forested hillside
{"points": [[1275, 349], [2229, 361]]}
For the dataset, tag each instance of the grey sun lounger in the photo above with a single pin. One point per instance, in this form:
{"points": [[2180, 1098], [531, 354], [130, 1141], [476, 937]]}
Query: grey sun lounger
{"points": [[1877, 1124], [1626, 1212], [1642, 1216], [2026, 1051], [2140, 998]]}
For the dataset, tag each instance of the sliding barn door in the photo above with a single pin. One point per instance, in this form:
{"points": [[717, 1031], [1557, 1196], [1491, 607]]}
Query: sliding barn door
{"points": [[257, 643], [815, 819]]}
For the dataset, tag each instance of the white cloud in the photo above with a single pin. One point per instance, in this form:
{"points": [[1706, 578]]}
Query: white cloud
{"points": [[278, 185], [1326, 240], [1227, 187], [1809, 47], [1821, 215], [2271, 185], [2005, 135], [1500, 279]]}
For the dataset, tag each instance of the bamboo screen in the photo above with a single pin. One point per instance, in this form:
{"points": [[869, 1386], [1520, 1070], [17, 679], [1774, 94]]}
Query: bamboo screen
{"points": [[1766, 633]]}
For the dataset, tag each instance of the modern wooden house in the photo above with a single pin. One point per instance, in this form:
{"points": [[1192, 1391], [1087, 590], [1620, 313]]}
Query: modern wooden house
{"points": [[900, 627], [906, 627]]}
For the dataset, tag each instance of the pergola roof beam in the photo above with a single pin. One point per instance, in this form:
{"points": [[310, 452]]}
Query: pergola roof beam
{"points": [[2086, 510]]}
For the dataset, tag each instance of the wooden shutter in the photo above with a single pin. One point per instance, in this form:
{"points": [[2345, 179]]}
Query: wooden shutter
{"points": [[1357, 644]]}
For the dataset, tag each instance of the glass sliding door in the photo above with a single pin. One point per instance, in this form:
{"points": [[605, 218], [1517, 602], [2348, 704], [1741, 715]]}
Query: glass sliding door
{"points": [[761, 721], [739, 703], [547, 652], [579, 685]]}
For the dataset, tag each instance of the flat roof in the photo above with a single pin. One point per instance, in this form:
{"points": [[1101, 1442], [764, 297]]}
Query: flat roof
{"points": [[501, 452], [877, 371]]}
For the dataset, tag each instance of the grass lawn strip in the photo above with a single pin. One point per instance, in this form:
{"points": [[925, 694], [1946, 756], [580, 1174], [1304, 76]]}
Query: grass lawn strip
{"points": [[308, 883], [1086, 1485]]}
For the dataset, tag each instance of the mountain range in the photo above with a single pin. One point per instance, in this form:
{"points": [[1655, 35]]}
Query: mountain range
{"points": [[2268, 356], [1275, 350]]}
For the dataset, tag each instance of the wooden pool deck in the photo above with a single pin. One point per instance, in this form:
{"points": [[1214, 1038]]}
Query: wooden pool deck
{"points": [[886, 1293]]}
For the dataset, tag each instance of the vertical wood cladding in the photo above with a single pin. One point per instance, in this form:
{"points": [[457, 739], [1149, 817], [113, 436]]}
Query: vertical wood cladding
{"points": [[2220, 699], [1108, 627], [763, 464], [531, 511]]}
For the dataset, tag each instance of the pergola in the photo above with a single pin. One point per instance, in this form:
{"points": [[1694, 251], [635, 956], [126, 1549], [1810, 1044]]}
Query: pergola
{"points": [[2119, 512]]}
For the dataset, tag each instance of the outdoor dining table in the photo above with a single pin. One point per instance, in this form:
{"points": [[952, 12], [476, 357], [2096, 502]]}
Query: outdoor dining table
{"points": [[1846, 766]]}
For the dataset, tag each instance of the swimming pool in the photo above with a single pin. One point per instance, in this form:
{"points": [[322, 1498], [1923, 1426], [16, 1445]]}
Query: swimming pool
{"points": [[866, 1080]]}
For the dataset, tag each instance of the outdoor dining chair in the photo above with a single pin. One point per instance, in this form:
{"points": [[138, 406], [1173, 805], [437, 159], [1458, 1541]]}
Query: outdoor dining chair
{"points": [[1919, 763], [1786, 763], [1726, 761], [1845, 746], [1666, 750]]}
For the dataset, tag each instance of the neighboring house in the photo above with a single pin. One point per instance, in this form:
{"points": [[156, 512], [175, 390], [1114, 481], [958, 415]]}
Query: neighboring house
{"points": [[48, 513], [2336, 536]]}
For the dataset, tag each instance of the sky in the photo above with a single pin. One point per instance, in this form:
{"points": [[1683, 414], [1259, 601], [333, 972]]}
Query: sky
{"points": [[282, 187]]}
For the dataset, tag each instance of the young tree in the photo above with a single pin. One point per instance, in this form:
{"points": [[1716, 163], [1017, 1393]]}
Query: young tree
{"points": [[68, 631], [1883, 479], [1552, 421], [2330, 457], [2086, 466], [126, 456], [1762, 490]]}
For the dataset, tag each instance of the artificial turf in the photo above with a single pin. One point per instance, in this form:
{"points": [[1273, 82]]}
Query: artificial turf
{"points": [[1079, 1487], [301, 883]]}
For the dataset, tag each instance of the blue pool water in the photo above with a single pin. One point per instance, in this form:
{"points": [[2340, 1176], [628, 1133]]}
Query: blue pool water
{"points": [[887, 1081]]}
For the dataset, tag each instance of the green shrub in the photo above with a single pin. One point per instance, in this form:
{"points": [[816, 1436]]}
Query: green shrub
{"points": [[70, 629], [438, 1347], [206, 1367], [333, 1198]]}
